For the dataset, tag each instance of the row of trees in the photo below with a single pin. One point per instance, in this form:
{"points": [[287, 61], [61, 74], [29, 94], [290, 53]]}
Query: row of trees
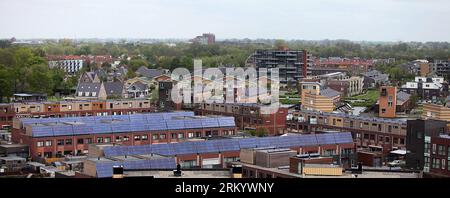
{"points": [[24, 70]]}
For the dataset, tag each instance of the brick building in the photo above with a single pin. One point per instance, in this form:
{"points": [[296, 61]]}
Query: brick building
{"points": [[221, 153], [57, 137], [366, 131], [247, 116], [387, 102], [71, 109]]}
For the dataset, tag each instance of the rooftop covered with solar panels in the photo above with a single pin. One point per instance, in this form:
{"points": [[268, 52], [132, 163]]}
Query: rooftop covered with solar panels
{"points": [[230, 145], [103, 167], [47, 127]]}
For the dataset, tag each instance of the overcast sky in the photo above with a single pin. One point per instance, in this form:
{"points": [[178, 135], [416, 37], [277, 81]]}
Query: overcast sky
{"points": [[374, 20]]}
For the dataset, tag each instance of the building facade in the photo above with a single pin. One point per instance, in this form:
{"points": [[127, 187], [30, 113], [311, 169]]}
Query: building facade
{"points": [[348, 87], [367, 132], [247, 116], [58, 137], [72, 109], [292, 64], [418, 143], [387, 102]]}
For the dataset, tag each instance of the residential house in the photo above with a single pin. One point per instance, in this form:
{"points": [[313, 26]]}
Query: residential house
{"points": [[374, 78]]}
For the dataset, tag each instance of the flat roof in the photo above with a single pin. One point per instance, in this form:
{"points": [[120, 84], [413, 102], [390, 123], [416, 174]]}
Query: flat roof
{"points": [[47, 127]]}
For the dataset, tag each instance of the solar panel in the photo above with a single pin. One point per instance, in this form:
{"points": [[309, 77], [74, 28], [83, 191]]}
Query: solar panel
{"points": [[138, 127], [306, 140], [183, 148], [325, 139], [228, 145], [105, 169], [101, 128], [175, 124], [341, 138], [82, 129], [156, 125], [193, 124], [207, 147], [136, 164], [162, 149], [248, 143], [210, 123], [287, 142], [63, 130], [42, 131], [116, 128], [226, 121], [163, 163], [138, 150], [268, 142]]}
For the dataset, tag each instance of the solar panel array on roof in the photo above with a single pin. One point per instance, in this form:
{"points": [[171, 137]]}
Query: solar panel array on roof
{"points": [[175, 124], [207, 147], [124, 123], [192, 124], [210, 122], [324, 139], [341, 138], [226, 121], [215, 146], [105, 169], [42, 131]]}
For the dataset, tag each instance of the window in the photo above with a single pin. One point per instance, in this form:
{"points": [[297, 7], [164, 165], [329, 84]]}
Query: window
{"points": [[180, 135], [441, 150], [380, 139], [190, 135], [434, 148], [99, 140], [126, 138], [88, 141], [118, 138], [426, 162], [144, 137], [173, 136], [60, 142], [68, 141], [94, 94], [402, 140], [162, 136], [443, 164], [395, 141], [366, 136], [448, 165], [198, 134], [389, 128], [329, 152], [154, 136], [427, 148], [107, 140], [48, 143], [80, 141], [388, 140], [40, 144], [351, 123], [137, 137]]}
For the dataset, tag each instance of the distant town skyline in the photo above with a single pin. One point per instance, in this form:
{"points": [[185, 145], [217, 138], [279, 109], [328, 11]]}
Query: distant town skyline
{"points": [[356, 20]]}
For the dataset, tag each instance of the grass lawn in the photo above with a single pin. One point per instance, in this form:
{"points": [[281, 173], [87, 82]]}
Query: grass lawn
{"points": [[370, 98]]}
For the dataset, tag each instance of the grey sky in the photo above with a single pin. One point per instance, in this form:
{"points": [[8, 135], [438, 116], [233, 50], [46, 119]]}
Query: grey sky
{"points": [[379, 20]]}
